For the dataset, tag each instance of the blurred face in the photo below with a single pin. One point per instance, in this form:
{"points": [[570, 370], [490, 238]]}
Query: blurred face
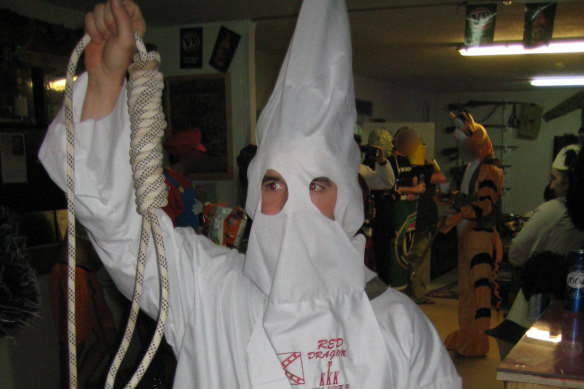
{"points": [[407, 144], [192, 160], [468, 150], [558, 183], [323, 194]]}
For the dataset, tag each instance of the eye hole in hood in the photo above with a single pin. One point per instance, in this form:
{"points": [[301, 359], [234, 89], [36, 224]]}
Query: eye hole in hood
{"points": [[323, 194], [274, 192]]}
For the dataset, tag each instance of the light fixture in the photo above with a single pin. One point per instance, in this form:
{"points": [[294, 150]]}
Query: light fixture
{"points": [[517, 48], [558, 81], [59, 84]]}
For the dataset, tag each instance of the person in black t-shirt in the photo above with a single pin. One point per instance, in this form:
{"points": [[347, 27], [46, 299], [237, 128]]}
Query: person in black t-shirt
{"points": [[380, 181], [404, 209], [406, 142], [426, 228]]}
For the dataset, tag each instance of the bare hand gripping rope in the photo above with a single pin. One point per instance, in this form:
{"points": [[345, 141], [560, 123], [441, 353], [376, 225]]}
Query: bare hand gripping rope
{"points": [[147, 128]]}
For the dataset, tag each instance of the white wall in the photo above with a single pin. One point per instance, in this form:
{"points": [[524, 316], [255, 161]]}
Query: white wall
{"points": [[168, 41], [531, 162], [390, 102]]}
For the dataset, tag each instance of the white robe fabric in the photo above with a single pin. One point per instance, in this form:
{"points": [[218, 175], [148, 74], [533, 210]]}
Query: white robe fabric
{"points": [[310, 267], [216, 311], [318, 318], [295, 305]]}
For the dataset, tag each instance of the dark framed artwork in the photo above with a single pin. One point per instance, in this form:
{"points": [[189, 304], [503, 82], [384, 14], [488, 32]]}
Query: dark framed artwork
{"points": [[364, 107], [539, 23], [203, 102], [224, 49], [191, 48]]}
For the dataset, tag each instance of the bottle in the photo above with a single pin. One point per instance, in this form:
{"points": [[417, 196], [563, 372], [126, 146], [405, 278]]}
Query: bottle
{"points": [[575, 282], [569, 355]]}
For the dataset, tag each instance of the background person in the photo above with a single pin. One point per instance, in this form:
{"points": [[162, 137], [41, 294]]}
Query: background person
{"points": [[184, 154], [541, 246], [476, 215], [426, 229], [379, 179], [404, 209], [549, 229]]}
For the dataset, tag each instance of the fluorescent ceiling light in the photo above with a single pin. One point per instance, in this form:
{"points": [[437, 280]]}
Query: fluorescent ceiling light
{"points": [[517, 48], [558, 81]]}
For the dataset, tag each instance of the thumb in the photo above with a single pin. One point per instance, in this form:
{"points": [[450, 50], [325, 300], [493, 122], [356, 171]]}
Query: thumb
{"points": [[123, 21]]}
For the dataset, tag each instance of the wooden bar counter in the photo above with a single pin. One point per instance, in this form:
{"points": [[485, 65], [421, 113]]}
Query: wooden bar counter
{"points": [[550, 354]]}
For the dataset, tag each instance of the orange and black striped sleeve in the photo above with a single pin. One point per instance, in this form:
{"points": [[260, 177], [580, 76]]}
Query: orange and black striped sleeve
{"points": [[489, 189]]}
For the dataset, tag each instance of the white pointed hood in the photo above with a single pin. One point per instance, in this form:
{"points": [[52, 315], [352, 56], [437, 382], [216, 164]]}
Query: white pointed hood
{"points": [[317, 317], [306, 129], [311, 112]]}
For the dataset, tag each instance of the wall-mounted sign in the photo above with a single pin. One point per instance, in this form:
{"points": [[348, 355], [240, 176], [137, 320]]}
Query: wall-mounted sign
{"points": [[539, 23], [191, 48], [480, 24], [224, 49]]}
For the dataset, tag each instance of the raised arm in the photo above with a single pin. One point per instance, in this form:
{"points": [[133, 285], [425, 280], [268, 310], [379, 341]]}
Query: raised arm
{"points": [[105, 200], [109, 54]]}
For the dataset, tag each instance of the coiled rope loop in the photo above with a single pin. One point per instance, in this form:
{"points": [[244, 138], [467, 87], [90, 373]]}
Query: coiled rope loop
{"points": [[147, 124]]}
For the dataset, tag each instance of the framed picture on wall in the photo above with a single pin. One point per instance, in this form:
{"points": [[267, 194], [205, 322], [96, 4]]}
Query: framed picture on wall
{"points": [[191, 48], [203, 102], [224, 49]]}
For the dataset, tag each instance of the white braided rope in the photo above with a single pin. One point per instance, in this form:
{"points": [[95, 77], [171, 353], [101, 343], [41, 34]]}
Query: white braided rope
{"points": [[147, 128]]}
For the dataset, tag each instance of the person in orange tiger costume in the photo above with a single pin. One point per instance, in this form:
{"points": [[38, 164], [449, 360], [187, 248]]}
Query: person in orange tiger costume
{"points": [[476, 212]]}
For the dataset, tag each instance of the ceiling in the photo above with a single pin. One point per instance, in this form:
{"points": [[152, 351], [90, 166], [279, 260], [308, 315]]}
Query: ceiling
{"points": [[411, 43]]}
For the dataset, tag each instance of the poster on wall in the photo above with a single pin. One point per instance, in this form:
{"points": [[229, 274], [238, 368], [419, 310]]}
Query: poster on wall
{"points": [[191, 48], [539, 24], [224, 49], [364, 107], [480, 24], [13, 158]]}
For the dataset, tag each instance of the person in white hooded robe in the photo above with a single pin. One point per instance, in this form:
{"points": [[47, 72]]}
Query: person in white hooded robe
{"points": [[293, 310]]}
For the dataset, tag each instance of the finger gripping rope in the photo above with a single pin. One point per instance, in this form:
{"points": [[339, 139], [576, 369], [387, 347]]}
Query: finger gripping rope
{"points": [[147, 128]]}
